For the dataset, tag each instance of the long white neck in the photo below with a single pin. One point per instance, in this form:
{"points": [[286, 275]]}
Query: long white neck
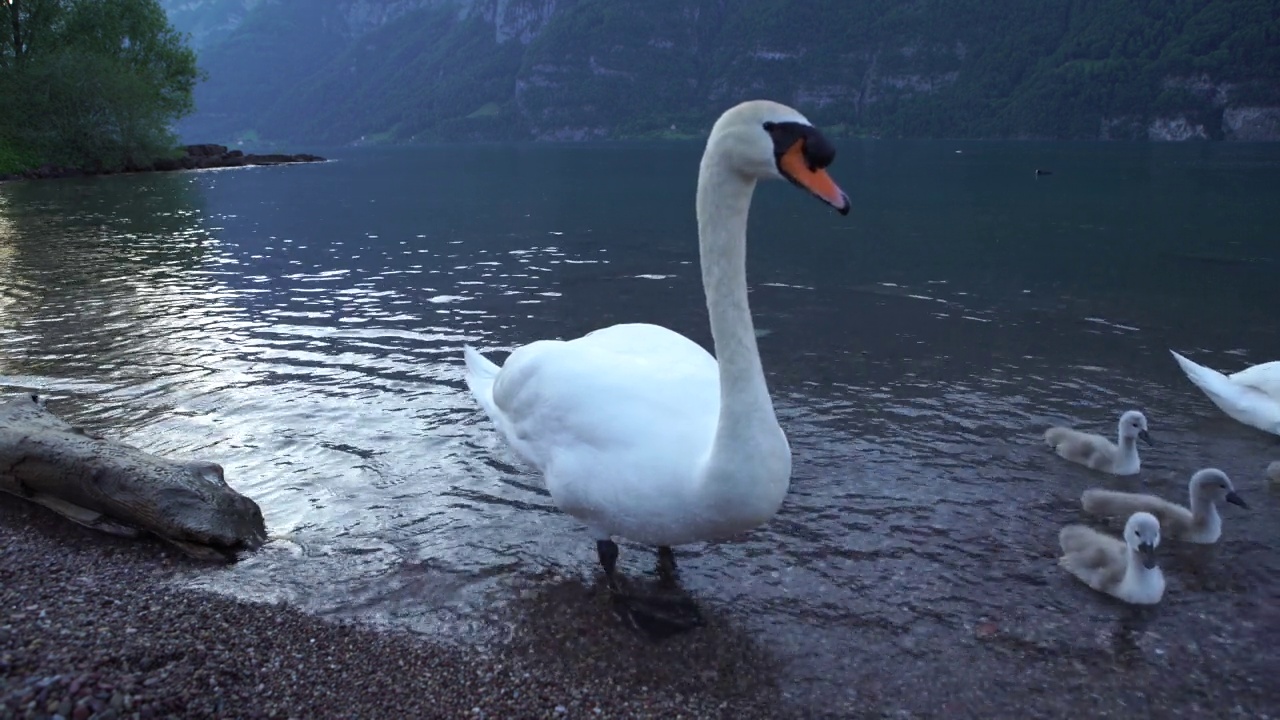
{"points": [[1128, 447], [749, 447], [1204, 515]]}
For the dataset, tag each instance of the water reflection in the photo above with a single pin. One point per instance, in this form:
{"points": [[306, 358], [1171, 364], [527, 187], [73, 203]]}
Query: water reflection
{"points": [[303, 327]]}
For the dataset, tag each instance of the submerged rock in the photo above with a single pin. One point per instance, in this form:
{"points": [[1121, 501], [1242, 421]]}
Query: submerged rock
{"points": [[118, 489]]}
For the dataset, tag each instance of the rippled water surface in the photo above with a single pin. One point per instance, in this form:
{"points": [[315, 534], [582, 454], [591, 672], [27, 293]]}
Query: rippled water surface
{"points": [[303, 327]]}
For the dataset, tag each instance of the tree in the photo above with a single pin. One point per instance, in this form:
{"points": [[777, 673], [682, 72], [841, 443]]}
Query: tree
{"points": [[91, 83], [25, 22]]}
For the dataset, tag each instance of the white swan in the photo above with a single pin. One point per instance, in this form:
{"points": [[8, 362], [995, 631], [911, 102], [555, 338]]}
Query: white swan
{"points": [[1099, 453], [1201, 524], [1251, 396], [639, 432], [1273, 472], [1125, 570]]}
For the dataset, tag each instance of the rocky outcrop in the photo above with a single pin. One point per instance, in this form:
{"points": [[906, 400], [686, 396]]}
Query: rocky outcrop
{"points": [[1175, 129], [200, 157], [195, 157], [1242, 118], [519, 20], [1124, 127], [120, 490], [1251, 124]]}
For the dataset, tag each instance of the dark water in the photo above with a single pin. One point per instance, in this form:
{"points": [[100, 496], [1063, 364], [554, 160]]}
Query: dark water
{"points": [[303, 327]]}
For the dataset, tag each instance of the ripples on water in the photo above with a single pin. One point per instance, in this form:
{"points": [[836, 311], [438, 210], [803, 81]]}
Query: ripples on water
{"points": [[303, 327]]}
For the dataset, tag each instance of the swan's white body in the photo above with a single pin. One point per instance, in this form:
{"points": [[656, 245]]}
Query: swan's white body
{"points": [[1200, 524], [621, 423], [1113, 566], [1251, 396], [639, 431]]}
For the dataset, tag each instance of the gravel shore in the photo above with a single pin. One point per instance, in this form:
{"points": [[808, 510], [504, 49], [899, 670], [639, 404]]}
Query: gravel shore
{"points": [[89, 629]]}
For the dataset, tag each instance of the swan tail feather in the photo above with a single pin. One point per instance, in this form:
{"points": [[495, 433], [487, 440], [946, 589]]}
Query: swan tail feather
{"points": [[1217, 387], [1207, 379], [481, 373]]}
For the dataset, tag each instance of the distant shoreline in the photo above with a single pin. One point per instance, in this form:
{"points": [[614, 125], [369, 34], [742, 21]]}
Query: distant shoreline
{"points": [[195, 157]]}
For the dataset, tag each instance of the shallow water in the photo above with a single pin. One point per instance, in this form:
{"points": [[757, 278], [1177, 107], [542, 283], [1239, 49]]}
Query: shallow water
{"points": [[303, 327]]}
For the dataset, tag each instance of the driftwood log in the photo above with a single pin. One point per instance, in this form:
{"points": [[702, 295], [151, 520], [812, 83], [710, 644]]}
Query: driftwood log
{"points": [[119, 489]]}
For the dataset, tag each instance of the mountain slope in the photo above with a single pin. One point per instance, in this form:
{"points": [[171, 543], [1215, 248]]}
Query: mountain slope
{"points": [[339, 71]]}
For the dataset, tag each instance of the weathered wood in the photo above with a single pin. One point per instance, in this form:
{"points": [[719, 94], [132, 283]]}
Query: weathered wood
{"points": [[118, 489]]}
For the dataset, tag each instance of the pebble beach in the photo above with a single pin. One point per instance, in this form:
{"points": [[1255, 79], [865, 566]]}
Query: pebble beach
{"points": [[89, 628]]}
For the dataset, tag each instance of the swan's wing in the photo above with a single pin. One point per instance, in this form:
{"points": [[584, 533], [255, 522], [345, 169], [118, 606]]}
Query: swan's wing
{"points": [[1097, 559], [1109, 503], [636, 395], [1245, 396], [1089, 450], [1265, 378]]}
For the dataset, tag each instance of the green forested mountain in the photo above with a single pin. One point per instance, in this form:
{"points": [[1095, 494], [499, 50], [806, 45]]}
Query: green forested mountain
{"points": [[340, 71]]}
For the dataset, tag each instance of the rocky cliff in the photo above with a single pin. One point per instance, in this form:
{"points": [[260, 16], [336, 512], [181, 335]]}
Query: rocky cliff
{"points": [[341, 71]]}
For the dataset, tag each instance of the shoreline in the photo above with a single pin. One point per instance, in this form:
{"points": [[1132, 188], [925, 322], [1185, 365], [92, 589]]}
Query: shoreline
{"points": [[196, 157], [90, 628]]}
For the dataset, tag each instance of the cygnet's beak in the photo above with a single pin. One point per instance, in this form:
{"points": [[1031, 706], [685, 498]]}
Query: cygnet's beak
{"points": [[796, 168], [1148, 553], [1145, 437], [1235, 499]]}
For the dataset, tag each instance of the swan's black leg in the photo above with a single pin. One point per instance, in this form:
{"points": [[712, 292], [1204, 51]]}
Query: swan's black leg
{"points": [[658, 615], [667, 566], [608, 552]]}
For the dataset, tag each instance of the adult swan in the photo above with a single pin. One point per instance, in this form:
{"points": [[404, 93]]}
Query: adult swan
{"points": [[638, 431]]}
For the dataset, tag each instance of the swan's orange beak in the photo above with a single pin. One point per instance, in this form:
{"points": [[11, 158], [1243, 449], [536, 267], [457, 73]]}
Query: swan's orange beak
{"points": [[795, 168]]}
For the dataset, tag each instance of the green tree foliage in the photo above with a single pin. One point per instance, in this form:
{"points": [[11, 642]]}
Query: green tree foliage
{"points": [[90, 83]]}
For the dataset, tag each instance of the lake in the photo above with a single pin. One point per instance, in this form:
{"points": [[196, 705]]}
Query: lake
{"points": [[303, 326]]}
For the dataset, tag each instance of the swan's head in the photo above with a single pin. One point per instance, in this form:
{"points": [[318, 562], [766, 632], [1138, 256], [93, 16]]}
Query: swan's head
{"points": [[1213, 485], [1142, 535], [1133, 424], [765, 140]]}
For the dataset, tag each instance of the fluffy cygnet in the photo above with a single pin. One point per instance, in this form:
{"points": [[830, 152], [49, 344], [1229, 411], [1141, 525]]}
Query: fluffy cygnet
{"points": [[1125, 570], [1099, 453], [1199, 524]]}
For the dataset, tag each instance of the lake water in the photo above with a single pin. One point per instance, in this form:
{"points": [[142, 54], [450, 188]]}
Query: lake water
{"points": [[303, 327]]}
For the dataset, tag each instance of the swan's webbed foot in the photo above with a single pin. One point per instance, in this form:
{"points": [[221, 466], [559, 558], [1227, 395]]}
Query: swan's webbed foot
{"points": [[658, 615]]}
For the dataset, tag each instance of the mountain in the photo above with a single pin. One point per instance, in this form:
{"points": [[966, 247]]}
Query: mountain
{"points": [[207, 21], [344, 71]]}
